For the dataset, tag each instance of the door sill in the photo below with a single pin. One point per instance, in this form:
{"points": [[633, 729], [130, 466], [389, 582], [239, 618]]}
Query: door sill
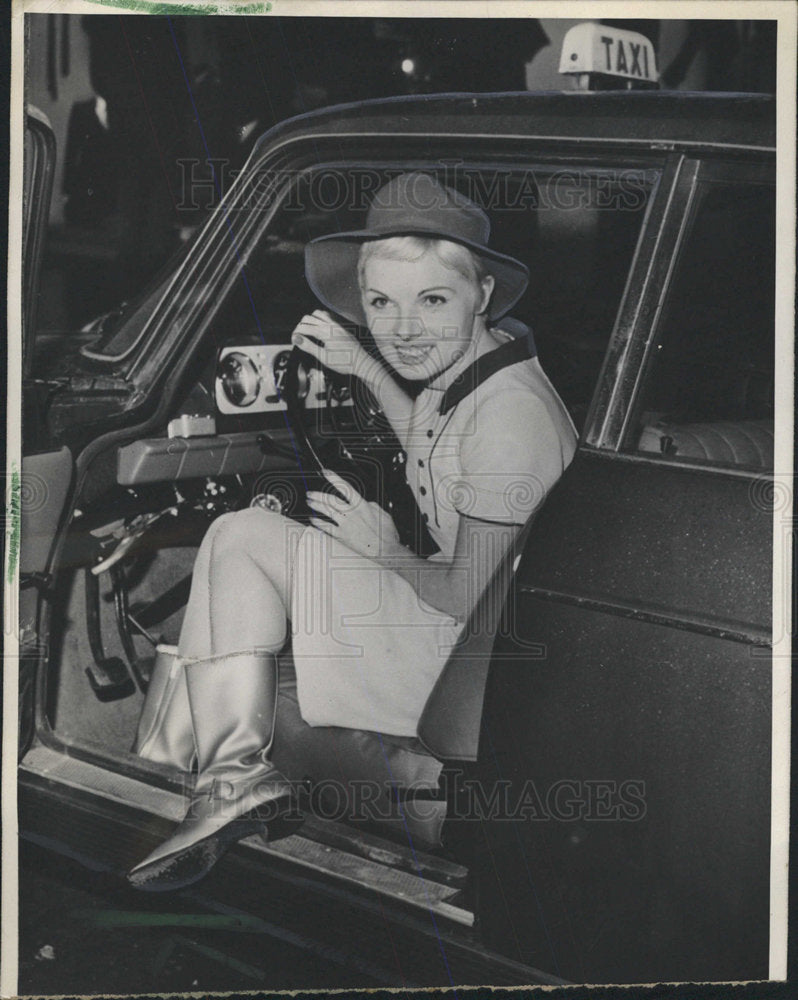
{"points": [[334, 853]]}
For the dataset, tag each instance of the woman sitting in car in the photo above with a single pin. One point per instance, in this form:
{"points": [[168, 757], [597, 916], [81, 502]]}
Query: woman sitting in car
{"points": [[372, 624]]}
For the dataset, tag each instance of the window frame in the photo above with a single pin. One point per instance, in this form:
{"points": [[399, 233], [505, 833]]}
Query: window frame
{"points": [[631, 353], [709, 173], [39, 172]]}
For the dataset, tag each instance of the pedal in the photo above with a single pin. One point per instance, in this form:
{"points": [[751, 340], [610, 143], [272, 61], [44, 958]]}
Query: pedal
{"points": [[109, 677]]}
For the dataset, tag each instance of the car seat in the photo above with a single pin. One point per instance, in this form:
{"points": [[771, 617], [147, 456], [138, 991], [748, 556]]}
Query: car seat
{"points": [[398, 783], [746, 443]]}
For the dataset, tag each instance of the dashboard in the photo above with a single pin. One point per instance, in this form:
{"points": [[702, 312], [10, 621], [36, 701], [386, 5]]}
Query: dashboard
{"points": [[226, 432], [250, 379]]}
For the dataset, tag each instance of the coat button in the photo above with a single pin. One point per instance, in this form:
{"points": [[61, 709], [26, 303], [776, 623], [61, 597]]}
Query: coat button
{"points": [[429, 434], [422, 490], [421, 463], [426, 517]]}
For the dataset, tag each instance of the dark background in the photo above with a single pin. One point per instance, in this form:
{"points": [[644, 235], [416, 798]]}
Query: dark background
{"points": [[178, 91]]}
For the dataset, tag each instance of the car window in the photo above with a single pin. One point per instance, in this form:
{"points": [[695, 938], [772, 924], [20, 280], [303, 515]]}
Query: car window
{"points": [[708, 392], [575, 228], [116, 332]]}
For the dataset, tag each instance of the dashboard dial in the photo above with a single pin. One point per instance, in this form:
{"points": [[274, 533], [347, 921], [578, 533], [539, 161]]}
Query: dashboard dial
{"points": [[240, 378], [250, 379], [280, 366]]}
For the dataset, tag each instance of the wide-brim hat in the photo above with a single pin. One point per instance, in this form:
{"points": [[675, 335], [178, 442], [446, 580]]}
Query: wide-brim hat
{"points": [[412, 204]]}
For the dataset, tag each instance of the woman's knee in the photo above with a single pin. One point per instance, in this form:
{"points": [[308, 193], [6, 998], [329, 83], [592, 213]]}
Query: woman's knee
{"points": [[253, 536], [254, 525], [256, 533], [218, 524], [237, 530]]}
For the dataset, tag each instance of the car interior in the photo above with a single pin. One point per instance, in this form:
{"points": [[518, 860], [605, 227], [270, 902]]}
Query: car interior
{"points": [[126, 570]]}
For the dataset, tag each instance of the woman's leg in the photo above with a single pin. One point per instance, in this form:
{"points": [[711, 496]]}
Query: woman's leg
{"points": [[241, 586], [234, 626]]}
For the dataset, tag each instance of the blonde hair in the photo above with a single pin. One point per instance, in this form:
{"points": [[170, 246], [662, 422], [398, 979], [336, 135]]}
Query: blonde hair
{"points": [[453, 255]]}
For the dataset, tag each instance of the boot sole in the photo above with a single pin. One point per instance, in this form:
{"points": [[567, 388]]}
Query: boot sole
{"points": [[184, 868]]}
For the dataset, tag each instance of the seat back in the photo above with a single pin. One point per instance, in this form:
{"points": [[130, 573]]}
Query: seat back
{"points": [[450, 723], [746, 443]]}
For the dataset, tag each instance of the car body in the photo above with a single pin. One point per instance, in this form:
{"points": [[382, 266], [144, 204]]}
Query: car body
{"points": [[620, 827]]}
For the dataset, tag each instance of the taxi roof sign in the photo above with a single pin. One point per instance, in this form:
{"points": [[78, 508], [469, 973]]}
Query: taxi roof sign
{"points": [[598, 48]]}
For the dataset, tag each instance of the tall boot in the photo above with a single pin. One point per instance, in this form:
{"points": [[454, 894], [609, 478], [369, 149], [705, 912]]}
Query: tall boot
{"points": [[165, 733], [233, 700]]}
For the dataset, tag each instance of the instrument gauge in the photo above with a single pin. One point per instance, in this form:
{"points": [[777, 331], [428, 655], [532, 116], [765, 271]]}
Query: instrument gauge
{"points": [[240, 378]]}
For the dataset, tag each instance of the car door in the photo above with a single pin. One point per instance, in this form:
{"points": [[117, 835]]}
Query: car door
{"points": [[627, 718], [46, 474]]}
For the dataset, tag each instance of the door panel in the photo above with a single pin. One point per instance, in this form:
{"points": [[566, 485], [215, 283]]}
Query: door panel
{"points": [[649, 751], [46, 480], [634, 659], [44, 486], [665, 538]]}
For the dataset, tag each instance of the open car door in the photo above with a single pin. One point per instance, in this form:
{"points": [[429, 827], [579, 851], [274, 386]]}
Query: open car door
{"points": [[628, 708]]}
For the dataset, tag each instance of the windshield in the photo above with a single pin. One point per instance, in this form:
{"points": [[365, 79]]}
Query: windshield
{"points": [[119, 330]]}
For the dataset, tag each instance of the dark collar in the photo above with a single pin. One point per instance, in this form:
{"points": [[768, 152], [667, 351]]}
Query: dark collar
{"points": [[486, 365]]}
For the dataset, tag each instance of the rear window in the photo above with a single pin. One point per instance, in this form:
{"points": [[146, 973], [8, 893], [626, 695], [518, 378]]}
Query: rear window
{"points": [[708, 393]]}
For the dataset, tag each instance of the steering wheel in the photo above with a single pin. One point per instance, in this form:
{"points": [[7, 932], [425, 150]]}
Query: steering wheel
{"points": [[294, 389], [364, 451]]}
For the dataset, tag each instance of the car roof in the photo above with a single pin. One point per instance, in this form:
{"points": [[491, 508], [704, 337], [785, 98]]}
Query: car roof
{"points": [[653, 118]]}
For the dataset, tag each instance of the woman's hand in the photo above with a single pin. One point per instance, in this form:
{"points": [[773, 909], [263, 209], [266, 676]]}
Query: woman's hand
{"points": [[327, 341], [360, 524], [339, 350]]}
